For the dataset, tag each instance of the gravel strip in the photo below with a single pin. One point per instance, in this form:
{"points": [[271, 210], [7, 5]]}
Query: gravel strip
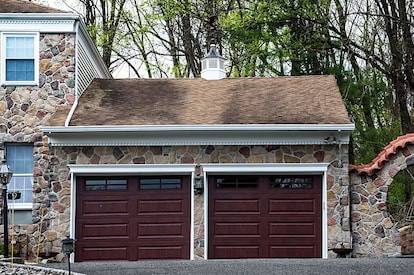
{"points": [[23, 269]]}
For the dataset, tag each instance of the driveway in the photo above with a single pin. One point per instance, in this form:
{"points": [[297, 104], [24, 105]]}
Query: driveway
{"points": [[395, 266]]}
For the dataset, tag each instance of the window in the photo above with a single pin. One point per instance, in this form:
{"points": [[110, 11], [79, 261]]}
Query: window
{"points": [[106, 184], [20, 160], [159, 183], [237, 182], [19, 59], [292, 182]]}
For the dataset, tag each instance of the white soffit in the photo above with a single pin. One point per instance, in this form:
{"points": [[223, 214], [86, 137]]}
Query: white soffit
{"points": [[198, 135], [40, 22]]}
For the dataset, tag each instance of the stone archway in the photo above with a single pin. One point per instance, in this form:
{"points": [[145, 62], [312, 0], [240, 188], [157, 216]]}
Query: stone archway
{"points": [[374, 233]]}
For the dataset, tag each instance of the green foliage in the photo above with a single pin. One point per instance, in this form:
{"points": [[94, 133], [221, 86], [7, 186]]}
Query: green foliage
{"points": [[278, 38], [369, 104], [396, 204], [10, 252], [369, 142]]}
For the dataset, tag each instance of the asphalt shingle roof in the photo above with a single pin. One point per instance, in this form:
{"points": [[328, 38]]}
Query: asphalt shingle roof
{"points": [[281, 100], [25, 6]]}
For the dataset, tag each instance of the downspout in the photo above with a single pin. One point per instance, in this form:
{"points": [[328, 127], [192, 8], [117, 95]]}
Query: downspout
{"points": [[72, 110], [75, 104]]}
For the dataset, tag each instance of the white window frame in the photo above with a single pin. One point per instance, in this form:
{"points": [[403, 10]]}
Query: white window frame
{"points": [[3, 37], [19, 205]]}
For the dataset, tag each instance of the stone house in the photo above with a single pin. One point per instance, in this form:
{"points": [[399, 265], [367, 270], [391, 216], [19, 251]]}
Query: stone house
{"points": [[207, 168], [46, 60], [196, 168], [170, 168]]}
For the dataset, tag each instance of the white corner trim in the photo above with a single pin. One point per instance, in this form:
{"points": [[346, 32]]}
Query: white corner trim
{"points": [[92, 51], [72, 220]]}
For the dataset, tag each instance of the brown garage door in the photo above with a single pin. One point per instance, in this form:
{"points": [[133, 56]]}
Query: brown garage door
{"points": [[132, 218], [265, 217]]}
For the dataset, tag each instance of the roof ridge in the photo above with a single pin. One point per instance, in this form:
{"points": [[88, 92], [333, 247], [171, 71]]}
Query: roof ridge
{"points": [[227, 78]]}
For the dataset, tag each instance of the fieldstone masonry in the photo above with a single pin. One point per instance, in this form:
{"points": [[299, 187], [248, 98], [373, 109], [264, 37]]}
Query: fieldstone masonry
{"points": [[374, 232], [407, 240], [22, 111], [56, 216], [357, 214]]}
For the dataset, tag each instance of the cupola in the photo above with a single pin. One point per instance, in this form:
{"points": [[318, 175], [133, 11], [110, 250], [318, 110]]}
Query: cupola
{"points": [[212, 65]]}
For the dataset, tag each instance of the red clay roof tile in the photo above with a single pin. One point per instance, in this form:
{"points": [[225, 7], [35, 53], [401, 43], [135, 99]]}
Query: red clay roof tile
{"points": [[384, 156]]}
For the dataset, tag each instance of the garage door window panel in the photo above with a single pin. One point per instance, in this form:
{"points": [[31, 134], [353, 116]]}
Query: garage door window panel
{"points": [[237, 182], [292, 182], [106, 184], [160, 183]]}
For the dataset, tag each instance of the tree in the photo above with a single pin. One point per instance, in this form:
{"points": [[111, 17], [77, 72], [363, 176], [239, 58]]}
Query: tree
{"points": [[103, 19], [368, 45]]}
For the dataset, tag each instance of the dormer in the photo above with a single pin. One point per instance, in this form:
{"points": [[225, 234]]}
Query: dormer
{"points": [[212, 65]]}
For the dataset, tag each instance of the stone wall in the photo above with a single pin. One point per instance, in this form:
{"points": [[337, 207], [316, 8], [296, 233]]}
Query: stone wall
{"points": [[374, 232], [23, 110], [58, 193], [407, 240]]}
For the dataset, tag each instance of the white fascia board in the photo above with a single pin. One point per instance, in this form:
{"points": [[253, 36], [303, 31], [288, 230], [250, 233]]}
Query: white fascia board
{"points": [[86, 40], [206, 127], [170, 135], [40, 22]]}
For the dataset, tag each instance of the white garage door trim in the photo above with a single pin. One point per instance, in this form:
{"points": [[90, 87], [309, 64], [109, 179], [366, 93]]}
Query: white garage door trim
{"points": [[297, 169], [185, 169], [129, 169]]}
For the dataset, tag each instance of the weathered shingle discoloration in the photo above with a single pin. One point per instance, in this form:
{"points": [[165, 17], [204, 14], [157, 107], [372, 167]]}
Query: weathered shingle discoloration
{"points": [[282, 100]]}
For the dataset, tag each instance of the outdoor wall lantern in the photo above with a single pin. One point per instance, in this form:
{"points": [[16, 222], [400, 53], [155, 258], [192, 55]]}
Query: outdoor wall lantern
{"points": [[198, 179], [68, 246], [5, 176], [16, 195]]}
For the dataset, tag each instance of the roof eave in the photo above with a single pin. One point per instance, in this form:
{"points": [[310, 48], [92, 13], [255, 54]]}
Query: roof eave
{"points": [[169, 135], [206, 127], [40, 16]]}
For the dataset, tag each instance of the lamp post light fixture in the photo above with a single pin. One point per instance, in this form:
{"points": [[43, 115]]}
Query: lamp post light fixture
{"points": [[68, 246], [5, 176]]}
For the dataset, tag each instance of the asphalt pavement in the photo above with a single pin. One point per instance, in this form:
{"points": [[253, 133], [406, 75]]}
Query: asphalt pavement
{"points": [[365, 266]]}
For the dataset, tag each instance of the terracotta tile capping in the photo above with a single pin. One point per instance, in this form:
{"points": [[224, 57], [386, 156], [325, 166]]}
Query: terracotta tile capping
{"points": [[384, 156]]}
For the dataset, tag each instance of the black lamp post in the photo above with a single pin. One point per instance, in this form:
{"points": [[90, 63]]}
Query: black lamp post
{"points": [[68, 246], [5, 177]]}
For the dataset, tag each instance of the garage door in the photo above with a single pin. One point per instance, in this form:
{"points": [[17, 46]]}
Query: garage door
{"points": [[265, 217], [132, 218]]}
